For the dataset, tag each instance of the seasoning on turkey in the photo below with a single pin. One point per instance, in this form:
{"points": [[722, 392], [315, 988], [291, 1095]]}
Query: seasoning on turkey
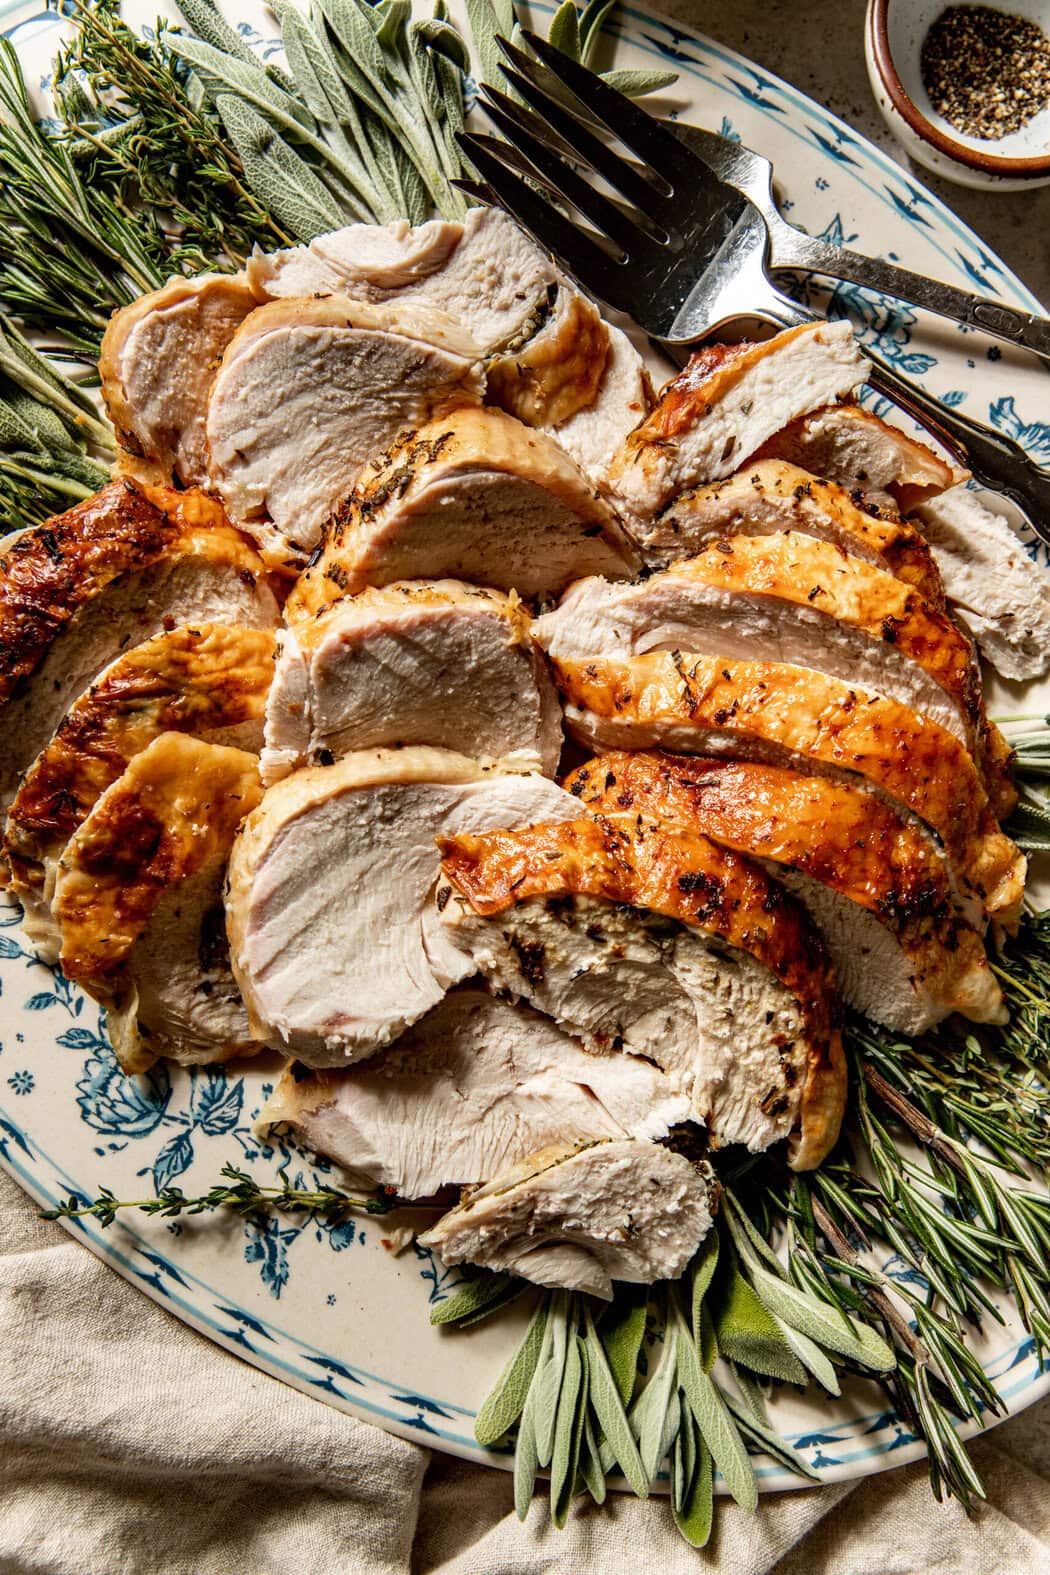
{"points": [[792, 716], [582, 1218], [110, 573], [646, 937], [334, 937], [857, 449], [211, 680], [476, 496], [725, 404], [416, 662], [309, 391], [475, 1086], [768, 496], [876, 888], [791, 598], [138, 900], [157, 362]]}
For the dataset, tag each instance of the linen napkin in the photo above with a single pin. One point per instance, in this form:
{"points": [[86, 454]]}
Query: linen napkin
{"points": [[130, 1444]]}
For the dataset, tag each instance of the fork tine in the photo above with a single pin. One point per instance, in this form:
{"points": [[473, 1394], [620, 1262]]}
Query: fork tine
{"points": [[562, 178], [591, 267], [626, 179], [643, 134]]}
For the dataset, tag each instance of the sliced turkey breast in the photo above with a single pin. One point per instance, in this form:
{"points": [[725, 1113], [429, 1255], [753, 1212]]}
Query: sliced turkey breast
{"points": [[370, 262], [110, 573], [792, 598], [874, 886], [486, 272], [1001, 595], [210, 680], [419, 662], [138, 900], [309, 391], [157, 362], [792, 716], [852, 446], [769, 496], [583, 1218], [477, 496], [546, 376], [333, 934], [725, 404], [474, 1087], [657, 940], [624, 397]]}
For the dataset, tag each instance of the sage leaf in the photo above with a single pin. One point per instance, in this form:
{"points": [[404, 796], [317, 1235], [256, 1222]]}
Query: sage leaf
{"points": [[649, 1414], [766, 1439], [208, 23], [607, 1405], [696, 1516], [484, 26], [683, 1458], [813, 1358], [276, 173], [749, 1244], [826, 1325], [507, 1400], [591, 1469], [704, 1265], [510, 1293], [717, 1427], [468, 1297], [707, 1345], [635, 83], [622, 1332], [567, 1431], [565, 30], [526, 1459], [445, 40], [591, 22], [747, 1332]]}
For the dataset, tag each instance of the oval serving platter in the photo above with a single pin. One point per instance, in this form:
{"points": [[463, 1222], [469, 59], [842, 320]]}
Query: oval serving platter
{"points": [[330, 1309]]}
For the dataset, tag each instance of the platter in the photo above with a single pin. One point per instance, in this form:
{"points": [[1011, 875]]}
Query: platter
{"points": [[329, 1308]]}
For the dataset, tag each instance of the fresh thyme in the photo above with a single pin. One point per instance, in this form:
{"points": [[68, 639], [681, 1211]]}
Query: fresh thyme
{"points": [[237, 1192]]}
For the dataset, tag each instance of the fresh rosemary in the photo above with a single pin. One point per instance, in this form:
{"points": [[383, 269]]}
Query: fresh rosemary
{"points": [[238, 1192]]}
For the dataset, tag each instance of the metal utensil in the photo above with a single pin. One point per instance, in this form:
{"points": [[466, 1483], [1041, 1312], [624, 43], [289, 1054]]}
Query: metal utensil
{"points": [[690, 254]]}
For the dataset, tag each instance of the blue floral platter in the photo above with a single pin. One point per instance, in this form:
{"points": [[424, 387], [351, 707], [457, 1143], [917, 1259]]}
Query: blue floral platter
{"points": [[328, 1308]]}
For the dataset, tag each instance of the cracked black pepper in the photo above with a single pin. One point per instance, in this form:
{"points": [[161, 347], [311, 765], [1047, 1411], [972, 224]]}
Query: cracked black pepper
{"points": [[986, 72]]}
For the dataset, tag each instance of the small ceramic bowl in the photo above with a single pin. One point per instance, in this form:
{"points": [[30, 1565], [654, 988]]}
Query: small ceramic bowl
{"points": [[893, 39]]}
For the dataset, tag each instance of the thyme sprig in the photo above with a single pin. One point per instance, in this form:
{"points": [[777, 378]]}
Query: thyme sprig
{"points": [[238, 1192]]}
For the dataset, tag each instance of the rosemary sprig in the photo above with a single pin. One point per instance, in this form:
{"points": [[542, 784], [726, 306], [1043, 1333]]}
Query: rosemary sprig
{"points": [[238, 1192]]}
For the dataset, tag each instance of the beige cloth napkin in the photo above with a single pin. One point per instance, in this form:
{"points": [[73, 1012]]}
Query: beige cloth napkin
{"points": [[130, 1444]]}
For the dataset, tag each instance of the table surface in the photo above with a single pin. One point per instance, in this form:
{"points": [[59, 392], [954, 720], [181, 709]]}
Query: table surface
{"points": [[825, 58]]}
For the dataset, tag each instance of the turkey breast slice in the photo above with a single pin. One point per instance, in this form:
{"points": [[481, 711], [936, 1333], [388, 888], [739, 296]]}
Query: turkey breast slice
{"points": [[874, 886], [419, 662], [646, 937], [157, 362], [785, 597], [485, 272], [474, 1087], [334, 938], [724, 405], [110, 573], [309, 391], [547, 376], [138, 901], [852, 446], [792, 716], [477, 496], [768, 496], [210, 680], [624, 397], [582, 1218], [1001, 595]]}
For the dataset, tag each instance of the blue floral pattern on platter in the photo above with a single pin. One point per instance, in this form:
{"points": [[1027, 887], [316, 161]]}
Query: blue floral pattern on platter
{"points": [[327, 1308]]}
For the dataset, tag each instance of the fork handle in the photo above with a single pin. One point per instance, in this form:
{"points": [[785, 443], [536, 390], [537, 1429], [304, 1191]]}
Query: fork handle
{"points": [[792, 249], [996, 461]]}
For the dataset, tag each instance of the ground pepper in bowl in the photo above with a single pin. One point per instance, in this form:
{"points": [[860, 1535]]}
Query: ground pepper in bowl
{"points": [[986, 72]]}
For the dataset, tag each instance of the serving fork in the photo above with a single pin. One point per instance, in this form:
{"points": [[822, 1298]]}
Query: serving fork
{"points": [[685, 252]]}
